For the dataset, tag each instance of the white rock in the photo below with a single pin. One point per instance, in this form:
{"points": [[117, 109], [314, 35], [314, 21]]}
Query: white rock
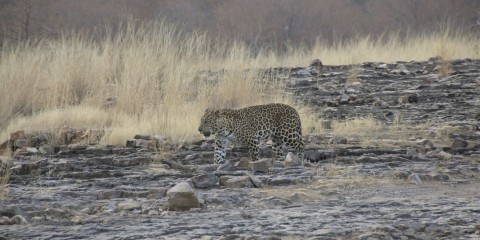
{"points": [[129, 205], [182, 197], [291, 160], [415, 179]]}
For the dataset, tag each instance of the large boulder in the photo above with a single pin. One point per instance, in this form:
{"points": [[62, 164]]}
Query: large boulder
{"points": [[182, 197]]}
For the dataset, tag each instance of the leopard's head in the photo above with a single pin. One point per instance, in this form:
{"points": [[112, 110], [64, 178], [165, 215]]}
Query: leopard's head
{"points": [[212, 122]]}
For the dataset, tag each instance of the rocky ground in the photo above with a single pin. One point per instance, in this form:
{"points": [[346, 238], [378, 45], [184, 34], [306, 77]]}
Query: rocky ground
{"points": [[423, 187]]}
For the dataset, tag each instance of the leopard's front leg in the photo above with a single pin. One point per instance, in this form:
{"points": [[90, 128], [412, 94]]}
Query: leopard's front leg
{"points": [[254, 149], [220, 150]]}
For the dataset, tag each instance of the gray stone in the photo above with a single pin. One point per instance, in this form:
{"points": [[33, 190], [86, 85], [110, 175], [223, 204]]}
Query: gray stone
{"points": [[313, 155], [243, 164], [411, 152], [32, 150], [316, 63], [130, 143], [441, 177], [414, 178], [182, 197], [143, 137], [291, 161], [459, 143], [279, 181], [444, 156], [126, 161], [18, 219], [255, 180], [205, 180], [129, 205], [344, 99], [226, 167], [262, 165], [236, 181]]}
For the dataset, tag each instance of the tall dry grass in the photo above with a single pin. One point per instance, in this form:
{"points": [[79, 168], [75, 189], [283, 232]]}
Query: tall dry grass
{"points": [[162, 79]]}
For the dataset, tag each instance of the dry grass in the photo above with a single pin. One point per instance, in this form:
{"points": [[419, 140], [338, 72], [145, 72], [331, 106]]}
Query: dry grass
{"points": [[162, 79], [361, 129], [370, 132], [5, 171], [352, 75], [329, 187]]}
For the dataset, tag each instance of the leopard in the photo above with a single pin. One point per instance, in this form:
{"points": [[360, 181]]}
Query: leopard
{"points": [[252, 125]]}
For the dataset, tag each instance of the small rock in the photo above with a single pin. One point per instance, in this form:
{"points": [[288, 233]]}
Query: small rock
{"points": [[4, 221], [226, 167], [142, 136], [236, 182], [182, 197], [205, 180], [301, 72], [411, 152], [36, 219], [256, 182], [153, 212], [426, 143], [316, 63], [279, 181], [415, 179], [32, 150], [142, 143], [413, 98], [344, 99], [401, 175], [243, 164], [444, 156], [262, 165], [459, 143], [191, 157], [207, 168], [126, 162], [291, 161], [129, 205], [18, 219], [441, 177], [313, 155], [130, 143], [381, 66]]}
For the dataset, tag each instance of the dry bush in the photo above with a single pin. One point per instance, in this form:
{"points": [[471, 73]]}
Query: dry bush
{"points": [[358, 127], [368, 131], [352, 75], [5, 171]]}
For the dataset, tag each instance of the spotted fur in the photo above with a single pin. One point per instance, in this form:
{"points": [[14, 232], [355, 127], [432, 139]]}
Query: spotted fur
{"points": [[249, 126]]}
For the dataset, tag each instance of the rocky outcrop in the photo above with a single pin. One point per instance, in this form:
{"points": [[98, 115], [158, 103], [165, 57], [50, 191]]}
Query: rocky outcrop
{"points": [[425, 187]]}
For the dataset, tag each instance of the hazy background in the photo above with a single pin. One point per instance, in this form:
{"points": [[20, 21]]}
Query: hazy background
{"points": [[260, 23]]}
